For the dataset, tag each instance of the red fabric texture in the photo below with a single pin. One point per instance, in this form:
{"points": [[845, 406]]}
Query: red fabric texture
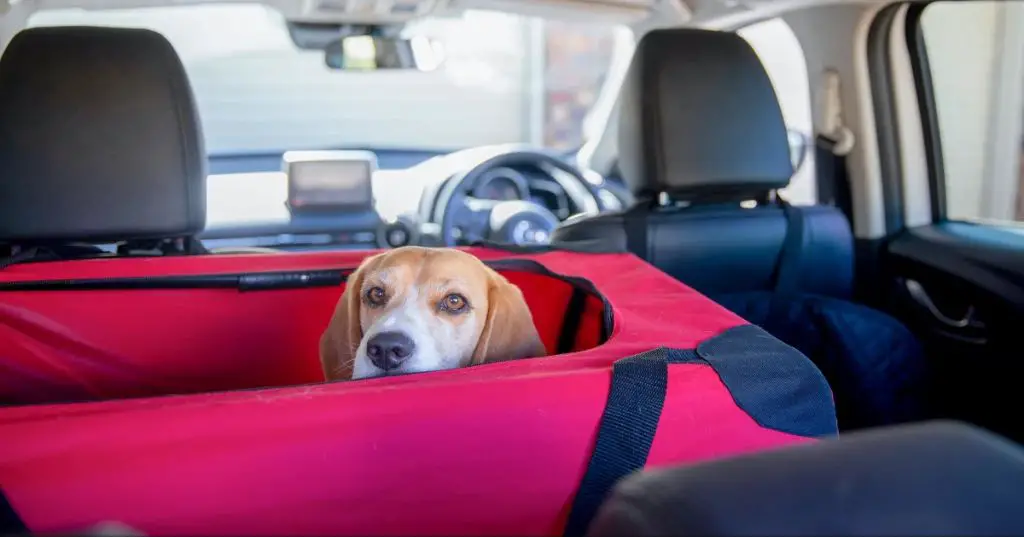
{"points": [[497, 449]]}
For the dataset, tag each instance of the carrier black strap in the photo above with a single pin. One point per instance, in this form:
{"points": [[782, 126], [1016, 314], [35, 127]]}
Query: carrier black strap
{"points": [[10, 522], [626, 430]]}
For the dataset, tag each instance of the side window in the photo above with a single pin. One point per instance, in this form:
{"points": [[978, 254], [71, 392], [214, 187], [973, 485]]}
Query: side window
{"points": [[975, 53], [783, 59]]}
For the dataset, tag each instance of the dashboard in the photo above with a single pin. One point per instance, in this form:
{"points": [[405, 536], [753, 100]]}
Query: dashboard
{"points": [[324, 200]]}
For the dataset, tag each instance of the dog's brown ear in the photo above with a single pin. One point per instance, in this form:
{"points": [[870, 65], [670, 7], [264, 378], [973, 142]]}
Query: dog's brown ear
{"points": [[509, 332], [340, 340]]}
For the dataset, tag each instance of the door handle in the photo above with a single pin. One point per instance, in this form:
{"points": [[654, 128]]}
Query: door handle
{"points": [[920, 296]]}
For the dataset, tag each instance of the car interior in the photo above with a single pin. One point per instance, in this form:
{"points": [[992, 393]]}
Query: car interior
{"points": [[859, 199]]}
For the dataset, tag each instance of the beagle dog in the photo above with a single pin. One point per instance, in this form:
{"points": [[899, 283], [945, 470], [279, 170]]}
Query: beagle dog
{"points": [[415, 309]]}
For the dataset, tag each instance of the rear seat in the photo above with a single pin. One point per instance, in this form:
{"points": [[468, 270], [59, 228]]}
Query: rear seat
{"points": [[100, 143]]}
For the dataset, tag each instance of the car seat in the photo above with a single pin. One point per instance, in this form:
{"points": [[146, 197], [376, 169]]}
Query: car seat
{"points": [[704, 150], [936, 478], [100, 144]]}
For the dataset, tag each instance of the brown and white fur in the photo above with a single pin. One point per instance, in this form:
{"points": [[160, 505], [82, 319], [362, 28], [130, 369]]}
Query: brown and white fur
{"points": [[416, 309]]}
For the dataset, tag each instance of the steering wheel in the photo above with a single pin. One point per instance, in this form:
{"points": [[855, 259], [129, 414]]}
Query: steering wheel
{"points": [[520, 222]]}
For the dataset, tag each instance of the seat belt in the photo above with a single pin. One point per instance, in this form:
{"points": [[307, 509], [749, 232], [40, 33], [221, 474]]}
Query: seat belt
{"points": [[832, 178], [831, 146], [788, 271], [788, 267]]}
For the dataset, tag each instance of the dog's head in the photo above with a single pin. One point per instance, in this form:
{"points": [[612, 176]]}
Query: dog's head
{"points": [[416, 309]]}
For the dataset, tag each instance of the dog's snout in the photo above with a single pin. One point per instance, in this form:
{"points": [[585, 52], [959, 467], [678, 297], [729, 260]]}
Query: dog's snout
{"points": [[387, 350]]}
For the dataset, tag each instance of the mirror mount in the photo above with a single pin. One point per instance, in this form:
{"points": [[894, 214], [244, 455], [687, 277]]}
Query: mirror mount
{"points": [[363, 47]]}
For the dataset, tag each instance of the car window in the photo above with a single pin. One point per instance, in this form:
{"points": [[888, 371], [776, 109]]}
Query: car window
{"points": [[975, 53], [506, 78], [783, 58]]}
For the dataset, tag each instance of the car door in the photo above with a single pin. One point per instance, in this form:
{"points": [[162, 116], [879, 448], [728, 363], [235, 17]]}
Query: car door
{"points": [[957, 279]]}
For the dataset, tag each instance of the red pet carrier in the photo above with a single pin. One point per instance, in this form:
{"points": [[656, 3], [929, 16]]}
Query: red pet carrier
{"points": [[184, 396]]}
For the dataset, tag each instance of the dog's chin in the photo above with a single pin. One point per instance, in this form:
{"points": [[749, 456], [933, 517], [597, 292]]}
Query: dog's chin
{"points": [[364, 369], [375, 372]]}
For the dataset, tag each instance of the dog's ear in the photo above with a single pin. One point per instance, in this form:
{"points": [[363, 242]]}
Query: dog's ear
{"points": [[509, 333], [340, 340]]}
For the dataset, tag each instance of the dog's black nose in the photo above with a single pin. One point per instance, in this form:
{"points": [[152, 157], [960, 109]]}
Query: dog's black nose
{"points": [[387, 350]]}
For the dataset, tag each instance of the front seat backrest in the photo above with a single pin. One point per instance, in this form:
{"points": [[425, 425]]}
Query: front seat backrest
{"points": [[100, 140], [700, 132]]}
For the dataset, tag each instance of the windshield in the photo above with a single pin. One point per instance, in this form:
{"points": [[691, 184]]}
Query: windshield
{"points": [[506, 78]]}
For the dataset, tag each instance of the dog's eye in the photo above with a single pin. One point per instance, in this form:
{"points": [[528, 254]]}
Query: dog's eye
{"points": [[376, 296], [454, 303]]}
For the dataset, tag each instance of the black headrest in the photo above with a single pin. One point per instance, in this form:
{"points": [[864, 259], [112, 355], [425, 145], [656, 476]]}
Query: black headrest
{"points": [[99, 138], [699, 116]]}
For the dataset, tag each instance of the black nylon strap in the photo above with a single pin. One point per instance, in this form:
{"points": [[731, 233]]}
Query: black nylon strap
{"points": [[787, 272], [832, 178], [625, 433], [10, 522]]}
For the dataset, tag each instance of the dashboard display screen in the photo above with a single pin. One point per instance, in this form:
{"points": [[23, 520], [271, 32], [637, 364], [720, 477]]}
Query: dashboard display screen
{"points": [[330, 181]]}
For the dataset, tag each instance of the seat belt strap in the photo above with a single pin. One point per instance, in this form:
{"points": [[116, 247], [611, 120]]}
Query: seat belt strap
{"points": [[832, 178], [788, 272], [834, 141], [789, 267]]}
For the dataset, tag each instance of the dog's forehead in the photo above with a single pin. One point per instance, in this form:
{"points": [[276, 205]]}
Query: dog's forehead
{"points": [[430, 267]]}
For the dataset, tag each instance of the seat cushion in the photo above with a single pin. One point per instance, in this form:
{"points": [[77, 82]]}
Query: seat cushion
{"points": [[874, 364]]}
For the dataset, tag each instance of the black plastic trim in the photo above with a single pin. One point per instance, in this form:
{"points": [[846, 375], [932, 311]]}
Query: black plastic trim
{"points": [[576, 247], [879, 57], [928, 110]]}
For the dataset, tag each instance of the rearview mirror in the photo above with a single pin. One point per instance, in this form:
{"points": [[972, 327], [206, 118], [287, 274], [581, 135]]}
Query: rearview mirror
{"points": [[372, 52]]}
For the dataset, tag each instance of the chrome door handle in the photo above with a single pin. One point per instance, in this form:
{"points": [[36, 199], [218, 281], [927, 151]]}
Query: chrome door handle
{"points": [[920, 296]]}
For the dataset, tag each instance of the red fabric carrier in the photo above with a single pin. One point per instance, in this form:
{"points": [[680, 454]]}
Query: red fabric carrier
{"points": [[184, 396]]}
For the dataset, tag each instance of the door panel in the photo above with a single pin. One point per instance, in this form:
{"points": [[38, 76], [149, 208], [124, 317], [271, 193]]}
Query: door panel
{"points": [[960, 287]]}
